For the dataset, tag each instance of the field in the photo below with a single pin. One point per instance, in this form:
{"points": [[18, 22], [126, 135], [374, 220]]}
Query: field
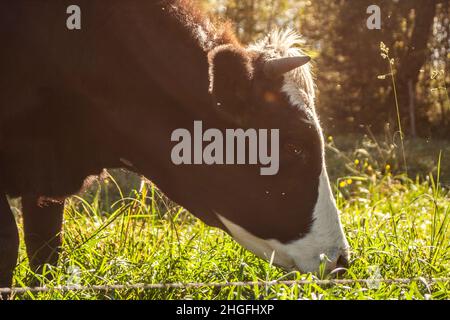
{"points": [[397, 226]]}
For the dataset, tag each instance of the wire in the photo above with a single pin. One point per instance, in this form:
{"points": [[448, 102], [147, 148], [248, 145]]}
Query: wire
{"points": [[159, 286]]}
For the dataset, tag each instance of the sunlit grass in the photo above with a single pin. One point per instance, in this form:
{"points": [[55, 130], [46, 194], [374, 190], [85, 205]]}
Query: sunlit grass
{"points": [[397, 228]]}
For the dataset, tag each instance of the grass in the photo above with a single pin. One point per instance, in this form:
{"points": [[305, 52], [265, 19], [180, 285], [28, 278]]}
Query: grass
{"points": [[397, 228]]}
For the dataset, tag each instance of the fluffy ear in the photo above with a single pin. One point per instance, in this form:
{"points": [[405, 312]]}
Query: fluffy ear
{"points": [[230, 72]]}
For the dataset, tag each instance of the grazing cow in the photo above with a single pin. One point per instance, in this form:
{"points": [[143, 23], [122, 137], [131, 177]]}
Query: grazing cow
{"points": [[73, 102]]}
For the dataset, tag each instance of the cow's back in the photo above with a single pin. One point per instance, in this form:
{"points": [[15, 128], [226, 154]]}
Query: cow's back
{"points": [[61, 90], [121, 43]]}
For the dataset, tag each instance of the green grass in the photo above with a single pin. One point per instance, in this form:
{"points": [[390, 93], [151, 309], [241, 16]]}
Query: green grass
{"points": [[397, 228]]}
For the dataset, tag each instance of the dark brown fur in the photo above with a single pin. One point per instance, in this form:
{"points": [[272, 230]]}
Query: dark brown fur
{"points": [[75, 102]]}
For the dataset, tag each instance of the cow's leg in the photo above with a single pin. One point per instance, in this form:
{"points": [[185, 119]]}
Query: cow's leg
{"points": [[9, 244], [42, 228]]}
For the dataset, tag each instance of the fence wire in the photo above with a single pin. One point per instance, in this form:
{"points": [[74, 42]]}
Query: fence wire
{"points": [[372, 283]]}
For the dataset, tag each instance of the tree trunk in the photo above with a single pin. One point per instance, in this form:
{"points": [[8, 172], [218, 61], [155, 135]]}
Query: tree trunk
{"points": [[415, 55], [412, 110]]}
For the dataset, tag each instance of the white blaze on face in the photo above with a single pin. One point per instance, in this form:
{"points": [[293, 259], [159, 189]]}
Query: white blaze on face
{"points": [[325, 238]]}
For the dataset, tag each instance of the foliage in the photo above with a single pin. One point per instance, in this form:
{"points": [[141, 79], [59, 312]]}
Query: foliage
{"points": [[354, 94]]}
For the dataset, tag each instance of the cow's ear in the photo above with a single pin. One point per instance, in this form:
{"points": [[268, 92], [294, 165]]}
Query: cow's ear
{"points": [[230, 72]]}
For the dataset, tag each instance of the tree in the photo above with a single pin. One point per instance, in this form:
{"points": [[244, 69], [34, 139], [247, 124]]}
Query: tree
{"points": [[355, 89]]}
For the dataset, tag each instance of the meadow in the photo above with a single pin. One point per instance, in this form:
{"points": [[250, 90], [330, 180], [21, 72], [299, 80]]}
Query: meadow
{"points": [[123, 230]]}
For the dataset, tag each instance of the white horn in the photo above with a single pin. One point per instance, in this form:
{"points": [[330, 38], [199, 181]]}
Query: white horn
{"points": [[279, 66]]}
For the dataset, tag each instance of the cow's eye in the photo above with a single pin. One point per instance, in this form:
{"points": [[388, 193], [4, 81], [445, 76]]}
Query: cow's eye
{"points": [[293, 149]]}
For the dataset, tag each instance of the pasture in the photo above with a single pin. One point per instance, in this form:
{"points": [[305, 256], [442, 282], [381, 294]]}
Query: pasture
{"points": [[153, 69], [397, 227]]}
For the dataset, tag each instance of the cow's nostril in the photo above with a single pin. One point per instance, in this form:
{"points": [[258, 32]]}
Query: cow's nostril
{"points": [[342, 261]]}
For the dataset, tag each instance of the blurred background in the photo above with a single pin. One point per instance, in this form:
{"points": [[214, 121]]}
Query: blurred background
{"points": [[356, 70]]}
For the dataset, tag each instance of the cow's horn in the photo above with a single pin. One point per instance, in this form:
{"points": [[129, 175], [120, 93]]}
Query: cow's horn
{"points": [[279, 66]]}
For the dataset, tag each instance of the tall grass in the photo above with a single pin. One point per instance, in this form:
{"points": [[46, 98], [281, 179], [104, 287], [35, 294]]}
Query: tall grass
{"points": [[397, 228], [385, 55]]}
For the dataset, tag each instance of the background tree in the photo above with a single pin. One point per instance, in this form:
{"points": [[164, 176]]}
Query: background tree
{"points": [[355, 88]]}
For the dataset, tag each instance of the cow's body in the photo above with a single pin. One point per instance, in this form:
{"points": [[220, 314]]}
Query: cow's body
{"points": [[65, 92], [75, 102]]}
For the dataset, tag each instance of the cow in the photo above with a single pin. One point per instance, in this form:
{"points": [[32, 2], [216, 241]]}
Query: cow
{"points": [[109, 95]]}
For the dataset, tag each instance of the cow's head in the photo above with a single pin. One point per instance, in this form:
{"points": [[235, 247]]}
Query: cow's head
{"points": [[292, 214]]}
